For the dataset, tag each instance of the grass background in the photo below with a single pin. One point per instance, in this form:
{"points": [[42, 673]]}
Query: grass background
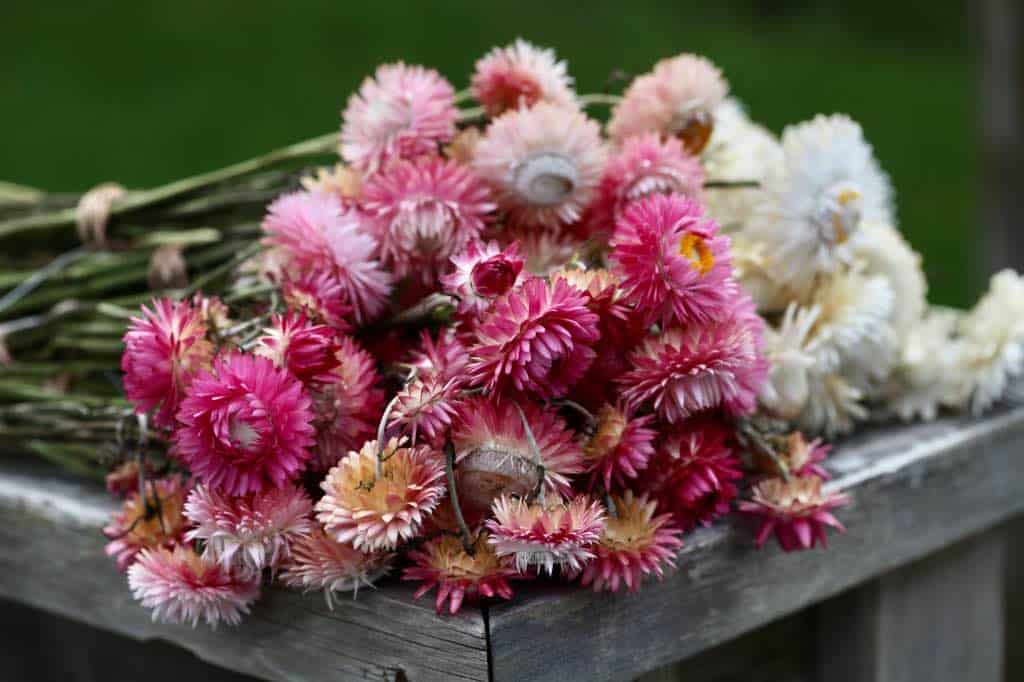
{"points": [[145, 92]]}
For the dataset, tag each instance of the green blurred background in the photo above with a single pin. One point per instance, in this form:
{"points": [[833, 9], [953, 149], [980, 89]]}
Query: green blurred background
{"points": [[143, 92]]}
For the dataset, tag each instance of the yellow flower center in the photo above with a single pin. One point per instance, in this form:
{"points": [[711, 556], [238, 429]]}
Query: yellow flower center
{"points": [[693, 248], [844, 199]]}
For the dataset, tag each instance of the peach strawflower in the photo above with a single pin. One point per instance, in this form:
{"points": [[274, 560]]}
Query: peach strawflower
{"points": [[546, 535], [378, 513], [797, 511], [635, 544], [320, 296], [544, 163], [442, 562], [400, 113], [155, 521], [798, 456], [123, 479], [183, 588], [520, 75], [318, 562], [163, 351], [344, 182], [676, 99], [621, 446]]}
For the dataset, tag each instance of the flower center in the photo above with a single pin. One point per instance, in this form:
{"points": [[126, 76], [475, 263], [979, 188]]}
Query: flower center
{"points": [[545, 179], [693, 248], [493, 277], [839, 212], [243, 435], [693, 128]]}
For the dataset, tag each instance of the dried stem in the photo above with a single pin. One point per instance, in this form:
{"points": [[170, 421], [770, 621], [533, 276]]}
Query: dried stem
{"points": [[449, 465], [538, 493]]}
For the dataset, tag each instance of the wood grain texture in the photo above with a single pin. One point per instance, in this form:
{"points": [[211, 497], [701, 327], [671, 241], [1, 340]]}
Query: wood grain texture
{"points": [[51, 558], [914, 491]]}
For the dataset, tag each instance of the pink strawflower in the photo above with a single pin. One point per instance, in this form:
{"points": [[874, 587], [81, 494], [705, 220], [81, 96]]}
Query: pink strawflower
{"points": [[621, 446], [646, 165], [319, 563], [149, 523], [686, 371], [798, 456], [674, 265], [545, 251], [483, 272], [246, 426], [426, 407], [423, 212], [635, 543], [536, 339], [443, 562], [676, 99], [182, 587], [348, 406], [163, 351], [546, 535], [400, 113], [307, 350], [796, 510], [251, 532], [694, 474], [315, 233], [443, 359], [606, 299], [320, 296], [374, 513], [520, 75], [494, 454], [544, 163]]}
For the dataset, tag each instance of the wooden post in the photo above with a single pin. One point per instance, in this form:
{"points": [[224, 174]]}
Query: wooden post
{"points": [[939, 619]]}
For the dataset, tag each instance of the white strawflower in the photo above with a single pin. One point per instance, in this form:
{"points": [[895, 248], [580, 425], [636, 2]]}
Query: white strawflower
{"points": [[929, 372], [753, 267], [833, 405], [993, 333], [814, 202], [884, 251], [791, 352]]}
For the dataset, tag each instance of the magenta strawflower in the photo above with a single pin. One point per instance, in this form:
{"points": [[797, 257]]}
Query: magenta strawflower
{"points": [[645, 165], [674, 265], [348, 406], [319, 563], [495, 456], [797, 511], [621, 446], [163, 351], [443, 359], [375, 513], [536, 339], [686, 371], [147, 523], [307, 350], [694, 474], [401, 112], [635, 544], [483, 272], [426, 407], [424, 211], [315, 233], [443, 562], [546, 535], [520, 75], [251, 532], [320, 296], [183, 588], [246, 426], [676, 99], [544, 163]]}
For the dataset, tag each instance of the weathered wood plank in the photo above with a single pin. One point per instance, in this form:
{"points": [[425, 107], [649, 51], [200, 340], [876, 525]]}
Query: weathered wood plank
{"points": [[51, 558], [915, 490], [937, 619]]}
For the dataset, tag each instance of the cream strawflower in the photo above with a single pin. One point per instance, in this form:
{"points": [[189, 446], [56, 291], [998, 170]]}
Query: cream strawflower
{"points": [[884, 251], [753, 266], [833, 405], [994, 335], [929, 372], [792, 354], [814, 202]]}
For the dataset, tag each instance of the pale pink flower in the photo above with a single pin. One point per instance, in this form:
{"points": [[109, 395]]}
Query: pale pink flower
{"points": [[796, 510], [246, 426], [520, 75], [374, 513], [621, 446], [307, 350], [426, 407], [546, 535], [181, 587], [675, 266], [536, 339], [319, 563], [147, 523], [483, 272], [443, 562], [544, 163], [797, 456], [443, 359], [676, 99], [250, 532], [400, 113], [163, 350], [320, 296], [635, 544]]}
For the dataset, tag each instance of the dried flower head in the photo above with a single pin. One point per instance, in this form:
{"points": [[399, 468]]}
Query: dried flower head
{"points": [[444, 563], [520, 75], [621, 446], [546, 535], [483, 272], [307, 350], [320, 296], [994, 336], [318, 562], [343, 182], [796, 510], [148, 522]]}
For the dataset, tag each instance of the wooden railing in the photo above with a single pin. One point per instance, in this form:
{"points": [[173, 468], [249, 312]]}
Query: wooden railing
{"points": [[912, 592]]}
